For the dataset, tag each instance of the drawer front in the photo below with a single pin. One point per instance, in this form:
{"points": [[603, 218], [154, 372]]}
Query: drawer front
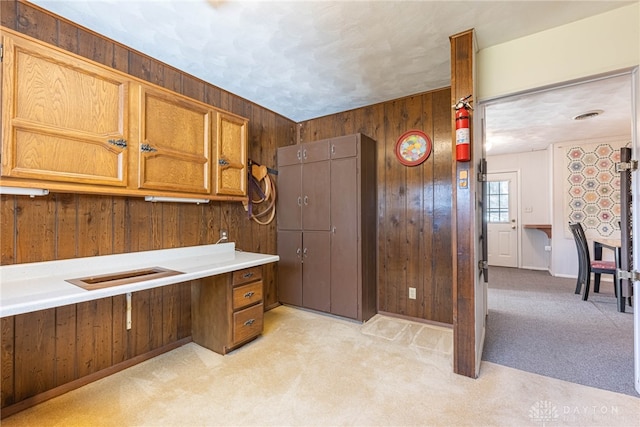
{"points": [[247, 323], [247, 294], [247, 275]]}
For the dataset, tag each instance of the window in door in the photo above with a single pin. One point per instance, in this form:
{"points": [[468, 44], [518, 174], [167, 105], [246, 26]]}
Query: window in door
{"points": [[498, 202]]}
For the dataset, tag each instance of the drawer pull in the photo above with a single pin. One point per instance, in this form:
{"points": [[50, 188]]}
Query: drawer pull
{"points": [[247, 275], [249, 322], [249, 294]]}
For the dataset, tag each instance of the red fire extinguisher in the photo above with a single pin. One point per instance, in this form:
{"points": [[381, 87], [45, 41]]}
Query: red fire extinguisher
{"points": [[463, 135]]}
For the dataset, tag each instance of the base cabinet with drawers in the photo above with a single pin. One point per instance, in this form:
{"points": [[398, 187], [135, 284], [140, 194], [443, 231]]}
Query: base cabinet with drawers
{"points": [[227, 309]]}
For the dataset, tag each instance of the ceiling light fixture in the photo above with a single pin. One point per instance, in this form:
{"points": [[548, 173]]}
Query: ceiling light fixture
{"points": [[588, 115], [19, 191]]}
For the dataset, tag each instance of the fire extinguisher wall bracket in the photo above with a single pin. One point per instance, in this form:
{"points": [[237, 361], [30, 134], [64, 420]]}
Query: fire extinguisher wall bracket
{"points": [[463, 133]]}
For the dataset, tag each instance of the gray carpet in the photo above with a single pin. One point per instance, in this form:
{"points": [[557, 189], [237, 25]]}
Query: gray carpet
{"points": [[537, 324]]}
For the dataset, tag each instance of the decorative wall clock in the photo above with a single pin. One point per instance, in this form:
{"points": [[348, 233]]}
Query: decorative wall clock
{"points": [[413, 147]]}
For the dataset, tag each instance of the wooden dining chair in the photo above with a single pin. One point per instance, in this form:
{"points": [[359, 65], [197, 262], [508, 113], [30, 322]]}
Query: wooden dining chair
{"points": [[586, 266]]}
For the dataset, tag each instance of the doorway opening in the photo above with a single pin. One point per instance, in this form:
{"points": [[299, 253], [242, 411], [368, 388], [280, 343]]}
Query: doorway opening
{"points": [[532, 133]]}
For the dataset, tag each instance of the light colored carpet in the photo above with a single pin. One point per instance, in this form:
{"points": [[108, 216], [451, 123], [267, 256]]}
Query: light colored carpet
{"points": [[312, 369]]}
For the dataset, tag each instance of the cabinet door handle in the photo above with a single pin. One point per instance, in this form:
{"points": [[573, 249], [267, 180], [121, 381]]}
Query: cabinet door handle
{"points": [[122, 143], [223, 162], [298, 251], [299, 201], [304, 154], [333, 148], [304, 252], [306, 200], [249, 322], [147, 148], [247, 275], [299, 154], [333, 230], [249, 294]]}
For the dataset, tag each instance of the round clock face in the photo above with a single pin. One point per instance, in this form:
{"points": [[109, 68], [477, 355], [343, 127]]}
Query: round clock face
{"points": [[413, 147]]}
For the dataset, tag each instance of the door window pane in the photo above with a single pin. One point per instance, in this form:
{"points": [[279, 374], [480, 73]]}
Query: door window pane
{"points": [[498, 201]]}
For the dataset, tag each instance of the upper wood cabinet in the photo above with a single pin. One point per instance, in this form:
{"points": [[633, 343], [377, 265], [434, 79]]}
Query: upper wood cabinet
{"points": [[175, 135], [70, 124], [63, 119], [231, 155]]}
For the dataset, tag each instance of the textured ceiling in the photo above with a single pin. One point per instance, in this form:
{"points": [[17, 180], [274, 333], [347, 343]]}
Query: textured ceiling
{"points": [[307, 59], [533, 121]]}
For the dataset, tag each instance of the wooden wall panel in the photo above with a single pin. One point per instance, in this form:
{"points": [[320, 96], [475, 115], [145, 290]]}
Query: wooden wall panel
{"points": [[66, 223], [94, 336], [35, 228], [7, 229], [140, 332], [7, 392], [120, 335], [34, 358], [441, 297], [414, 203], [66, 369]]}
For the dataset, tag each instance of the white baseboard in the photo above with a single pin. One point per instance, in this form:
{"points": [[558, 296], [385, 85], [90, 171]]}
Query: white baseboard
{"points": [[524, 267], [566, 276]]}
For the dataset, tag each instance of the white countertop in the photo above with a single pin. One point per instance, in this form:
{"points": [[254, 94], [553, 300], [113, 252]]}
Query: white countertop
{"points": [[36, 286]]}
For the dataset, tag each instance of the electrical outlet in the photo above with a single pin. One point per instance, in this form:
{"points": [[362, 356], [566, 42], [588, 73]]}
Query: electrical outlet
{"points": [[412, 293], [223, 235]]}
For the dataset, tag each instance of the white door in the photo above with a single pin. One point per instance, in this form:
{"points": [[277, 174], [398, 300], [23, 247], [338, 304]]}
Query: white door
{"points": [[502, 225]]}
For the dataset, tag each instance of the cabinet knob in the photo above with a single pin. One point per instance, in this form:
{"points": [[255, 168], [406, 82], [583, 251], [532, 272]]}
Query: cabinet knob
{"points": [[249, 294], [299, 201], [333, 148], [249, 322], [304, 154], [122, 143], [223, 162], [299, 154], [298, 251], [306, 200], [247, 275], [304, 252]]}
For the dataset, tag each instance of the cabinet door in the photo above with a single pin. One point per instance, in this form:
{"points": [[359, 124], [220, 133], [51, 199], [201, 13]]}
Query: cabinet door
{"points": [[175, 135], [231, 155], [344, 237], [63, 118], [315, 196], [344, 146], [316, 270], [290, 267], [315, 151], [289, 208], [290, 155]]}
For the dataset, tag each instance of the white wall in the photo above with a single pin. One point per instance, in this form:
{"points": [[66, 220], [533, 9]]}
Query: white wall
{"points": [[535, 196], [589, 47]]}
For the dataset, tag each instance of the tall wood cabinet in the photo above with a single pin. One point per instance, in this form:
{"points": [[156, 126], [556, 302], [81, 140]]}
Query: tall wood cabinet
{"points": [[327, 226]]}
